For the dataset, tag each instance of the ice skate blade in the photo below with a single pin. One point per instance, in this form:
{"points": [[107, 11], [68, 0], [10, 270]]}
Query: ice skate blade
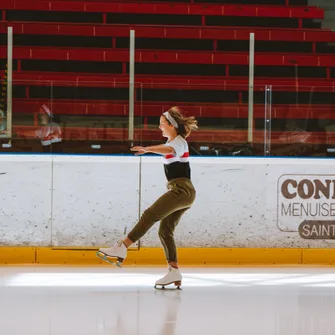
{"points": [[105, 258], [177, 285]]}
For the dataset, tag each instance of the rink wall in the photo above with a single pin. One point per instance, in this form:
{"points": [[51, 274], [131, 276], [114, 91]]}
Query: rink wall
{"points": [[246, 210]]}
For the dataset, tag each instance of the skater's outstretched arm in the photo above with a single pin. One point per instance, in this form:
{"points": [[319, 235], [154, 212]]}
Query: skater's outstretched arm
{"points": [[155, 149]]}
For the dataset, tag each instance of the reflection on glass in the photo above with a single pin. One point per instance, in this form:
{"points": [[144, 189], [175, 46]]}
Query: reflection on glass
{"points": [[302, 121], [3, 107], [92, 117], [3, 123], [49, 133]]}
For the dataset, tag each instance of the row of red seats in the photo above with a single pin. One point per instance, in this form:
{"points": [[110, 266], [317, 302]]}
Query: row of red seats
{"points": [[27, 78], [142, 31], [181, 57], [200, 110], [238, 2], [168, 8]]}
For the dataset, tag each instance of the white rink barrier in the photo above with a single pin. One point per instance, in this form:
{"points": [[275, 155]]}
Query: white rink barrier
{"points": [[241, 202]]}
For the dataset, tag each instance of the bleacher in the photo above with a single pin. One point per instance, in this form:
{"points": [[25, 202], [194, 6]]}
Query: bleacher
{"points": [[190, 53]]}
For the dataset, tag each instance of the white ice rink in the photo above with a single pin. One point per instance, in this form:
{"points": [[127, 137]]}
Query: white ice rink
{"points": [[112, 301]]}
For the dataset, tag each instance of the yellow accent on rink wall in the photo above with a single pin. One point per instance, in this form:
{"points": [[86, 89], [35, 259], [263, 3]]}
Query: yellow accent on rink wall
{"points": [[17, 255], [155, 256]]}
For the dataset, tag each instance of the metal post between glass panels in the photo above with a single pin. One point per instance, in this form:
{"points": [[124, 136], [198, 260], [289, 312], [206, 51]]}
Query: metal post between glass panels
{"points": [[251, 88], [267, 120], [131, 86], [7, 113]]}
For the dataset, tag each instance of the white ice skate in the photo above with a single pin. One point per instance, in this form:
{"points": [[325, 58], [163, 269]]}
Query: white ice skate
{"points": [[118, 251], [172, 277]]}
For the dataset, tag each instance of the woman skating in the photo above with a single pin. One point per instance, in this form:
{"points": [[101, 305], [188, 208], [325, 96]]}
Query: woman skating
{"points": [[180, 195]]}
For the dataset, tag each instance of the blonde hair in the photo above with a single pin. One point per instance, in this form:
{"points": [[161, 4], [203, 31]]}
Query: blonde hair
{"points": [[185, 124]]}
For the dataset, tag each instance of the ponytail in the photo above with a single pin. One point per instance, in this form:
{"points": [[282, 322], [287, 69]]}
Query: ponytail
{"points": [[185, 124]]}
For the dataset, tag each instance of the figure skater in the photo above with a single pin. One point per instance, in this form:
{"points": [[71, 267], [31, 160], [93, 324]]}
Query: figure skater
{"points": [[170, 207]]}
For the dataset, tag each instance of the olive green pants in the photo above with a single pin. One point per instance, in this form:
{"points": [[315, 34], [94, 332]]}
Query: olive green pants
{"points": [[168, 209]]}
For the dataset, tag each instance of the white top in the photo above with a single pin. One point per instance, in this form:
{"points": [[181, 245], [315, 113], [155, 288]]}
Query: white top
{"points": [[177, 165], [180, 146]]}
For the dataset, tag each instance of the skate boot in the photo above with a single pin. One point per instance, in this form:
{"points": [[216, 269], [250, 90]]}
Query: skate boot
{"points": [[172, 277], [118, 251]]}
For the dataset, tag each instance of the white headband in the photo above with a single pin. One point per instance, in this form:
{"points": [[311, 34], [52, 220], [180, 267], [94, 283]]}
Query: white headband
{"points": [[171, 119], [47, 110]]}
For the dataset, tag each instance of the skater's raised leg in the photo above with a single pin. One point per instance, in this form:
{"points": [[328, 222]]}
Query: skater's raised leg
{"points": [[180, 196], [168, 203]]}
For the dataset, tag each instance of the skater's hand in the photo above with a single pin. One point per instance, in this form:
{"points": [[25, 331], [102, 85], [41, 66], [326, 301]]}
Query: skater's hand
{"points": [[140, 150]]}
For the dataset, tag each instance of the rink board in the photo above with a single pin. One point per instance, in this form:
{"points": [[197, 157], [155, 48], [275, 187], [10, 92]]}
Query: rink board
{"points": [[241, 204]]}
